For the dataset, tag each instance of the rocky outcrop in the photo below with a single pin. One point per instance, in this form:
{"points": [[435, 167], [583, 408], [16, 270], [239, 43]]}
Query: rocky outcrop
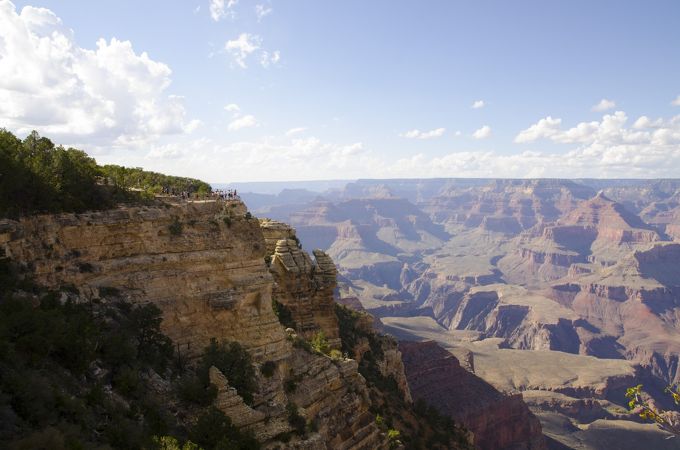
{"points": [[498, 421], [203, 264], [304, 286]]}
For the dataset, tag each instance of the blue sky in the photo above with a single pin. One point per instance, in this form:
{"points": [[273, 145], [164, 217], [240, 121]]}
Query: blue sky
{"points": [[289, 90]]}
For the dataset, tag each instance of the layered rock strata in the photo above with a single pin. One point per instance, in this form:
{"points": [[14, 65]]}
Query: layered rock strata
{"points": [[498, 421], [303, 285], [203, 264]]}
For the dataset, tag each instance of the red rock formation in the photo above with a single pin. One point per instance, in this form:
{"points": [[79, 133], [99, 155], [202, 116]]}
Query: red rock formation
{"points": [[498, 421]]}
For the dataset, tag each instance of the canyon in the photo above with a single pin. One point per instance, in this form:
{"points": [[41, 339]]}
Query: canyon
{"points": [[215, 271], [567, 291]]}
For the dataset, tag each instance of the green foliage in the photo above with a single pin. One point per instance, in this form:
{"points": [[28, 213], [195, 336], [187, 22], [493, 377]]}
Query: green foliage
{"points": [[638, 402], [171, 443], [290, 385], [214, 430], [152, 182], [49, 353], [267, 369], [175, 227], [192, 389], [234, 362], [393, 438], [37, 176], [295, 420], [320, 343], [284, 314]]}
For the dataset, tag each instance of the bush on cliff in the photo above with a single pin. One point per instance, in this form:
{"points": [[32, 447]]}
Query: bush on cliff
{"points": [[57, 356], [235, 363], [38, 176]]}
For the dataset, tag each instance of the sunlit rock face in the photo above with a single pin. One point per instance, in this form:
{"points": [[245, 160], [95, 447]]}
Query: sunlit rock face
{"points": [[203, 264]]}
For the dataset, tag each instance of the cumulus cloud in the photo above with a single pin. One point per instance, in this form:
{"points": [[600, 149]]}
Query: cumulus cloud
{"points": [[241, 47], [610, 131], [478, 104], [110, 95], [417, 134], [676, 102], [604, 148], [246, 45], [482, 133], [604, 105], [233, 108], [544, 128], [262, 11], [220, 10], [296, 130], [247, 121]]}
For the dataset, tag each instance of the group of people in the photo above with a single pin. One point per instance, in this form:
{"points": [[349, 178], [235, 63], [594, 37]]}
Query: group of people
{"points": [[226, 194], [172, 191]]}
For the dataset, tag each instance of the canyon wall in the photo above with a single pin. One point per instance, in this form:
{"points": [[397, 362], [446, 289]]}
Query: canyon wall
{"points": [[203, 264]]}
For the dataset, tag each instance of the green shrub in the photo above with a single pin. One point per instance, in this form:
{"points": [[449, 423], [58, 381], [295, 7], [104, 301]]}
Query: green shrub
{"points": [[290, 385], [85, 267], [267, 369], [295, 420], [320, 343], [191, 389], [107, 291], [234, 362], [284, 314], [175, 227], [47, 354], [214, 430]]}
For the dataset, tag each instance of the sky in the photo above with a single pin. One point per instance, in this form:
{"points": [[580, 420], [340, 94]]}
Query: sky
{"points": [[277, 90]]}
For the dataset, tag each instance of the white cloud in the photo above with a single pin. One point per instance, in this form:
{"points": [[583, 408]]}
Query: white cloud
{"points": [[247, 121], [241, 47], [246, 45], [544, 128], [262, 11], [233, 108], [458, 133], [676, 102], [482, 133], [604, 105], [610, 131], [267, 59], [478, 104], [108, 96], [294, 131], [417, 134], [219, 10], [605, 148]]}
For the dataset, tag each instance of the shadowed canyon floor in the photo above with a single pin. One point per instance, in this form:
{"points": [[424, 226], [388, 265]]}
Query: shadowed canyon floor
{"points": [[565, 290]]}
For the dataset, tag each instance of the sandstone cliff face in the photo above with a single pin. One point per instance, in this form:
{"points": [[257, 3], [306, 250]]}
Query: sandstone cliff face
{"points": [[203, 265], [498, 421], [304, 286]]}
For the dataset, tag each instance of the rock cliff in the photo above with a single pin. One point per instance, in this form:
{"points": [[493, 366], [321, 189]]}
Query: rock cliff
{"points": [[498, 421], [203, 264]]}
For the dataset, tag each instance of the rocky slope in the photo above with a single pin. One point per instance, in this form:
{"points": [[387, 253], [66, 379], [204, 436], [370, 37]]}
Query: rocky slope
{"points": [[203, 265], [498, 421]]}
